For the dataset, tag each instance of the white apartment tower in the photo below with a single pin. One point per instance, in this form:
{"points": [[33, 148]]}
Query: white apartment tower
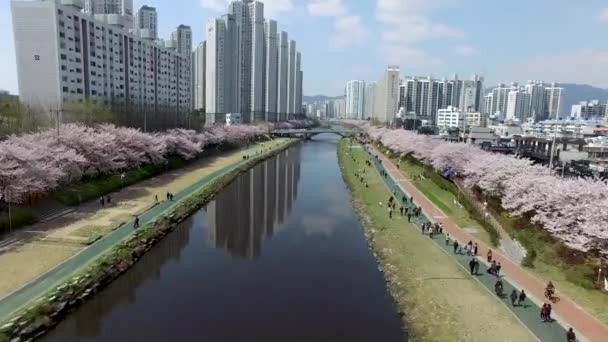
{"points": [[199, 59], [271, 71], [518, 105], [147, 22], [553, 101], [258, 61], [370, 99], [355, 100], [65, 54], [291, 79], [536, 90], [298, 86], [388, 95], [282, 76], [112, 12]]}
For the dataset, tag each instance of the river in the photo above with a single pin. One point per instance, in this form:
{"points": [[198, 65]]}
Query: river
{"points": [[279, 255]]}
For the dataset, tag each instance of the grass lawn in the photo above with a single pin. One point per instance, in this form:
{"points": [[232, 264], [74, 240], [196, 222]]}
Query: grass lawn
{"points": [[441, 302]]}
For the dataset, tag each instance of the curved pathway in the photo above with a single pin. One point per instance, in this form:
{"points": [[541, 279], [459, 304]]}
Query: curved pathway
{"points": [[567, 313]]}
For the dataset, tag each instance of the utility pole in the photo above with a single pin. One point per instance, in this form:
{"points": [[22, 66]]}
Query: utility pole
{"points": [[552, 152]]}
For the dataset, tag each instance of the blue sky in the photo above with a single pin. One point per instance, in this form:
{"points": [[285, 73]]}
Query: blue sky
{"points": [[514, 40]]}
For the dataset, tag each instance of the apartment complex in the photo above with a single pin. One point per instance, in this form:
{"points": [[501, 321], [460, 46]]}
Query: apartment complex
{"points": [[74, 50], [251, 68], [535, 101]]}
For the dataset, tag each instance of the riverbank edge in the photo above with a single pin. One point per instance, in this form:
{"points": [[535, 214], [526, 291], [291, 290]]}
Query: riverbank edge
{"points": [[50, 310], [368, 227]]}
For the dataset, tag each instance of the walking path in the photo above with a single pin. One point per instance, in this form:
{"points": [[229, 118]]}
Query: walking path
{"points": [[566, 311], [63, 269]]}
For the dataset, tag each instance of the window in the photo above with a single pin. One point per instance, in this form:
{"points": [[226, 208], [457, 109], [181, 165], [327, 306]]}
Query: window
{"points": [[65, 89]]}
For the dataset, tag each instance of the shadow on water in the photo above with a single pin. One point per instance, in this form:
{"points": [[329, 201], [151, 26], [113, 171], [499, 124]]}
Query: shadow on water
{"points": [[279, 255]]}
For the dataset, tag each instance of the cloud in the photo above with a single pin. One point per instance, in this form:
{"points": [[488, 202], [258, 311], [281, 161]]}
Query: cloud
{"points": [[271, 7], [465, 50], [588, 66], [326, 8], [604, 15], [406, 24], [349, 32]]}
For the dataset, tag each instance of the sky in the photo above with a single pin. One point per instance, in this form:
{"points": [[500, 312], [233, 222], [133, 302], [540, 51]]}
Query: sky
{"points": [[340, 40]]}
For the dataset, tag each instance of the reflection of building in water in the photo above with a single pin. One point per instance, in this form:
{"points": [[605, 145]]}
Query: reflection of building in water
{"points": [[86, 323], [254, 205]]}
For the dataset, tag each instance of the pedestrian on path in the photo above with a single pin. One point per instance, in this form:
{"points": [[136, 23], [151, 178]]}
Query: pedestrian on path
{"points": [[168, 196], [390, 213], [109, 200], [156, 198], [548, 313], [570, 335], [136, 222], [476, 270], [102, 201], [522, 297], [409, 217], [447, 239], [472, 266], [498, 267], [455, 245], [513, 297], [489, 255], [475, 249], [543, 312]]}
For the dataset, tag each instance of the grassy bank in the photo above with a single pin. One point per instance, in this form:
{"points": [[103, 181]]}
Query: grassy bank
{"points": [[440, 301], [20, 217], [49, 310]]}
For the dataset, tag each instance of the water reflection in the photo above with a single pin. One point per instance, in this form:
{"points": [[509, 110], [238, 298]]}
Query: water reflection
{"points": [[255, 206]]}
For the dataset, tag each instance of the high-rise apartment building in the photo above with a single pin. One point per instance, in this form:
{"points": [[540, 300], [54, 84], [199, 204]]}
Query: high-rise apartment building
{"points": [[199, 59], [65, 54], [355, 100], [291, 79], [282, 76], [370, 100], [147, 22], [267, 75], [536, 90], [112, 12], [518, 105], [271, 70], [553, 101], [387, 98]]}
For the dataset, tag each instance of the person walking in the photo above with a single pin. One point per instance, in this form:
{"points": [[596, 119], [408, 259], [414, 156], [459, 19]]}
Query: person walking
{"points": [[455, 245], [570, 335], [498, 267], [472, 266], [390, 213], [543, 312], [447, 239], [489, 255], [156, 198], [109, 200], [409, 217], [136, 222], [168, 196], [548, 313], [522, 297], [475, 249], [513, 297], [102, 201], [476, 270]]}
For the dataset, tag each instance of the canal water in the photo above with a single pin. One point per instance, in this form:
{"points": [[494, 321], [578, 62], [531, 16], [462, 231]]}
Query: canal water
{"points": [[279, 255]]}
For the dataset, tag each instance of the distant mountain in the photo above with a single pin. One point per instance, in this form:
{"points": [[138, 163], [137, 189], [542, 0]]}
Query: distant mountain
{"points": [[318, 98], [575, 93]]}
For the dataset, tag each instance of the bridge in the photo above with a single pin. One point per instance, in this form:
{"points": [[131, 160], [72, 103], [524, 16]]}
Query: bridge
{"points": [[309, 133]]}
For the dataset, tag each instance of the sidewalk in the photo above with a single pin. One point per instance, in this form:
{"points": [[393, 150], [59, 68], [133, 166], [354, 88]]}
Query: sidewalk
{"points": [[566, 311], [62, 266]]}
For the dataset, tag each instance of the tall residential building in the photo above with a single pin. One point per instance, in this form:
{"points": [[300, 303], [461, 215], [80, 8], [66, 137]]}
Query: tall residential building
{"points": [[291, 79], [258, 61], [282, 76], [370, 99], [588, 110], [388, 95], [147, 23], [112, 12], [500, 99], [267, 72], [518, 105], [199, 59], [553, 101], [271, 70], [77, 57], [355, 100], [421, 97], [536, 90]]}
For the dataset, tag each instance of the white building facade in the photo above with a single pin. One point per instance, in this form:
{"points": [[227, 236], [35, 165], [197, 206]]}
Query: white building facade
{"points": [[65, 54], [355, 100]]}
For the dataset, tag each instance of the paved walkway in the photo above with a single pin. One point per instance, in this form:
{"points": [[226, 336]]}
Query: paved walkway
{"points": [[54, 277], [565, 311]]}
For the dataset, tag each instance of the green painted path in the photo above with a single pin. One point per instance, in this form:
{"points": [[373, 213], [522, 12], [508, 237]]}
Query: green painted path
{"points": [[528, 314], [42, 285]]}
